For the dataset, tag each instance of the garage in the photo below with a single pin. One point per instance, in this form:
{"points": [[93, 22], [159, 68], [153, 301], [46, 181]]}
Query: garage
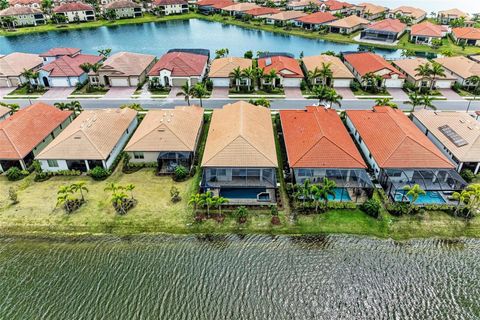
{"points": [[3, 82], [221, 82], [394, 83], [59, 82], [341, 83], [14, 82], [178, 82], [291, 82], [119, 82], [133, 81], [443, 84]]}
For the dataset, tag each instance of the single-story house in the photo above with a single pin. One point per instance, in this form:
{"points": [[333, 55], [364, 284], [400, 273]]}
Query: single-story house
{"points": [[14, 64], [222, 68], [213, 6], [180, 66], [388, 30], [35, 4], [123, 69], [283, 17], [25, 134], [456, 134], [4, 113], [23, 16], [370, 11], [55, 53], [238, 9], [425, 32], [302, 5], [461, 68], [401, 155], [289, 73], [348, 25], [76, 11], [446, 16], [169, 7], [94, 139], [124, 8], [340, 7], [416, 14], [262, 12], [167, 137], [362, 63], [408, 66], [469, 36], [315, 20], [342, 77], [319, 146], [240, 160]]}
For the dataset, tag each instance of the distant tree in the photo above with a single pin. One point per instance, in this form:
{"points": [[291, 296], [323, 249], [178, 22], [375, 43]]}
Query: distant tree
{"points": [[221, 53], [4, 4], [105, 52], [386, 102], [248, 54], [47, 6]]}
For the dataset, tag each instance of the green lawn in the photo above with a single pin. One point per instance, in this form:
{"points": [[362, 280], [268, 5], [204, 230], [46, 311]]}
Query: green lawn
{"points": [[23, 91], [260, 92], [83, 91], [361, 92]]}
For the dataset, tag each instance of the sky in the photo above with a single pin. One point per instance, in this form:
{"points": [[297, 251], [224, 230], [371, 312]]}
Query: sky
{"points": [[470, 6]]}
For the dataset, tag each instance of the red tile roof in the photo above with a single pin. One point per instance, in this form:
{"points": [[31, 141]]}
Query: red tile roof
{"points": [[25, 129], [317, 138], [22, 2], [334, 5], [217, 4], [469, 33], [66, 66], [281, 63], [365, 62], [394, 141], [180, 64], [392, 25], [168, 2], [427, 29], [317, 18], [261, 11], [60, 52], [72, 6]]}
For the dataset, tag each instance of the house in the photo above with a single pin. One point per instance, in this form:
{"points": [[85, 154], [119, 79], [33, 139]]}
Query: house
{"points": [[124, 9], [213, 6], [315, 20], [180, 66], [55, 53], [388, 30], [66, 71], [469, 36], [240, 160], [14, 64], [302, 5], [426, 32], [456, 134], [460, 68], [261, 12], [339, 7], [401, 155], [319, 146], [168, 137], [281, 18], [94, 139], [342, 77], [370, 11], [408, 66], [4, 113], [34, 4], [447, 16], [415, 14], [24, 134], [238, 9], [123, 69], [222, 68], [348, 25], [169, 7], [76, 11], [24, 16], [289, 73], [362, 63]]}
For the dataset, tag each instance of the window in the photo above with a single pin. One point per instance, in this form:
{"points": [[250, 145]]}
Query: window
{"points": [[52, 163], [138, 155]]}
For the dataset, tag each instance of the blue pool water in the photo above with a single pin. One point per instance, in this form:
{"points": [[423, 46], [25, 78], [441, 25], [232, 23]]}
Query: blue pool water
{"points": [[241, 193], [431, 197], [340, 196]]}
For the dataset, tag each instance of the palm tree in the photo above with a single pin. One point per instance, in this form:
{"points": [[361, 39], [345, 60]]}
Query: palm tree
{"points": [[414, 100], [129, 187], [110, 15], [325, 73], [436, 70], [194, 201], [461, 197], [427, 102], [386, 102], [372, 80], [272, 76], [414, 191], [423, 70], [12, 106], [61, 105], [332, 97], [47, 6], [8, 21], [199, 91], [186, 92], [327, 189], [319, 92], [208, 201], [302, 192], [105, 52], [4, 4], [475, 80], [312, 75], [221, 53], [118, 200], [236, 75], [219, 202], [249, 73], [315, 192], [80, 187], [75, 107], [113, 187]]}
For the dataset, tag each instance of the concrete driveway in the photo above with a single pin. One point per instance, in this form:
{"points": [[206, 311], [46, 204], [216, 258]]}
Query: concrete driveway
{"points": [[219, 93], [120, 93], [173, 93], [346, 93], [5, 91], [293, 93], [450, 94], [58, 93], [398, 94]]}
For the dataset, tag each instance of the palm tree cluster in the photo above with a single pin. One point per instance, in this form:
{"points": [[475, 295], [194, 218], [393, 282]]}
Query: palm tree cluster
{"points": [[324, 73], [32, 79], [372, 82], [207, 200], [431, 71], [414, 99], [249, 73], [199, 91], [413, 192], [66, 196], [13, 107], [327, 95], [120, 200], [221, 53], [318, 194], [468, 200], [73, 106]]}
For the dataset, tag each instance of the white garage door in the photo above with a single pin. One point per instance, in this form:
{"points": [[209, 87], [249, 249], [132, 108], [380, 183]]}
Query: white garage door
{"points": [[394, 83], [3, 82], [341, 83], [59, 82], [443, 84], [119, 82], [289, 83], [221, 82], [133, 81]]}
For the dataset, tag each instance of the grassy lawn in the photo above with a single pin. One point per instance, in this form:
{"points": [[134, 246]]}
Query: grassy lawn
{"points": [[276, 91], [83, 91], [361, 92], [23, 91]]}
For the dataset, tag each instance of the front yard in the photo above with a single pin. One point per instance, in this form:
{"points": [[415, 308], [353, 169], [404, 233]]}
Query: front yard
{"points": [[23, 91], [93, 91]]}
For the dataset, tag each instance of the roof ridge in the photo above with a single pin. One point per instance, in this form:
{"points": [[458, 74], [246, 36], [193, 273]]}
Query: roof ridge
{"points": [[11, 142]]}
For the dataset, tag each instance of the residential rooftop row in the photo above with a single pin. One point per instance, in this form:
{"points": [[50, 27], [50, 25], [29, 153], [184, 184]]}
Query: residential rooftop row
{"points": [[240, 157]]}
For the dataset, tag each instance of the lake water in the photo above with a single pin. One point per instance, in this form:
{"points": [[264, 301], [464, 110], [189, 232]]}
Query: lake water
{"points": [[237, 277], [158, 37]]}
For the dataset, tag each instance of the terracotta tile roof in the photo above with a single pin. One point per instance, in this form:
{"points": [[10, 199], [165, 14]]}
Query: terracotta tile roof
{"points": [[468, 33], [4, 111], [303, 3], [243, 6], [453, 12], [66, 66], [15, 11], [317, 138], [460, 65], [127, 63], [339, 70], [168, 130], [409, 65], [240, 135], [372, 8], [217, 4], [285, 66], [27, 128], [365, 62], [287, 15], [349, 22], [222, 67], [317, 18], [73, 6], [91, 136], [334, 5], [54, 52], [428, 29], [394, 141], [119, 4], [462, 123], [392, 25], [413, 12], [168, 2], [23, 2], [180, 64], [262, 11], [14, 63]]}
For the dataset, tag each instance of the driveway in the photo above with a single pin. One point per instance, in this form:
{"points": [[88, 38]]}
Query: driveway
{"points": [[5, 91], [120, 93], [293, 93], [173, 93], [220, 93], [398, 94], [346, 93], [58, 93], [450, 94]]}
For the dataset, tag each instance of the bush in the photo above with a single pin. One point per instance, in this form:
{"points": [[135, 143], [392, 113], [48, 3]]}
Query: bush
{"points": [[355, 86], [371, 207], [14, 174], [303, 85], [12, 195], [467, 175], [41, 176], [180, 173], [175, 194], [401, 208], [98, 173]]}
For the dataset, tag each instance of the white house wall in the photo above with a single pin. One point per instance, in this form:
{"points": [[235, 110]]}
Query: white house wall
{"points": [[121, 143]]}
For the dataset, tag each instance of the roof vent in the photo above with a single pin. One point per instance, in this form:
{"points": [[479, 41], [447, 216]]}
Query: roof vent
{"points": [[77, 137]]}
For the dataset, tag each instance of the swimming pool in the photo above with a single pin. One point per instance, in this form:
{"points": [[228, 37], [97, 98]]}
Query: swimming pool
{"points": [[242, 193], [430, 197], [341, 194]]}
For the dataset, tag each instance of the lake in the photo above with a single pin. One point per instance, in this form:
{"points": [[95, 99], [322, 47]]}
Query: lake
{"points": [[239, 277], [158, 37]]}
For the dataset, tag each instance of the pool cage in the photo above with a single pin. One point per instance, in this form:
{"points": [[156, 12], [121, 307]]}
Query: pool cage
{"points": [[168, 161], [379, 35], [443, 181]]}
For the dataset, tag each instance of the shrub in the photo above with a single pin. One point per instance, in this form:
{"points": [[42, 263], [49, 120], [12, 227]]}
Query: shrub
{"points": [[401, 208], [12, 195], [35, 167], [99, 173], [303, 84], [41, 176], [180, 173], [467, 175], [14, 174], [355, 86], [371, 207], [175, 194]]}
